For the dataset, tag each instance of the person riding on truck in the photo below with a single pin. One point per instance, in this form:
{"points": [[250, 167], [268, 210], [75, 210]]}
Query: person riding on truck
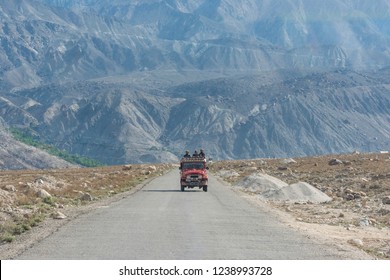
{"points": [[202, 154], [187, 154]]}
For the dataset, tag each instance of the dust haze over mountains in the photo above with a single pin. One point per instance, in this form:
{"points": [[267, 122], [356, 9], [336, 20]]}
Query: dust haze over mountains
{"points": [[141, 81]]}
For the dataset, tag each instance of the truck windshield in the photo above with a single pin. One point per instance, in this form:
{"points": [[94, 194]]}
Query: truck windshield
{"points": [[193, 165]]}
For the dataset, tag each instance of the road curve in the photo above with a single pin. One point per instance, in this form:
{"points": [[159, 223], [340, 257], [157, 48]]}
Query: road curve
{"points": [[160, 222]]}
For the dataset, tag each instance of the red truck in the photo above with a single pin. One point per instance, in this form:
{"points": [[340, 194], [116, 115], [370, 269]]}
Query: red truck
{"points": [[193, 173]]}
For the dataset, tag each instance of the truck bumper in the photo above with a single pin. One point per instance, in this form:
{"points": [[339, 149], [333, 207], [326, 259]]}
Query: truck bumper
{"points": [[194, 184]]}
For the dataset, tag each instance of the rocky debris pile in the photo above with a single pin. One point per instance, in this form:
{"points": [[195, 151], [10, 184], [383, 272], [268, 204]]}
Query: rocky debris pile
{"points": [[260, 183], [271, 188], [298, 192], [351, 194]]}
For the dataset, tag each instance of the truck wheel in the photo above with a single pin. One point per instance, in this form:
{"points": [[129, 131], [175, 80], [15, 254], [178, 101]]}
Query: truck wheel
{"points": [[182, 188], [205, 188]]}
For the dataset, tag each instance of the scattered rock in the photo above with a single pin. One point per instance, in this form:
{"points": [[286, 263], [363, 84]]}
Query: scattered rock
{"points": [[364, 222], [384, 211], [43, 194], [289, 161], [335, 161], [152, 168], [252, 168], [127, 167], [10, 188], [282, 168], [39, 181], [351, 195], [386, 200], [356, 242], [86, 197], [58, 215]]}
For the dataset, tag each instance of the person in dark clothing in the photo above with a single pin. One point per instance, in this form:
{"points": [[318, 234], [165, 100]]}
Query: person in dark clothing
{"points": [[195, 154], [187, 154], [202, 154]]}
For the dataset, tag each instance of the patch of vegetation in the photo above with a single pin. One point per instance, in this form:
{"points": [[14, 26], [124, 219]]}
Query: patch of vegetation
{"points": [[49, 200], [30, 140], [9, 231], [7, 237]]}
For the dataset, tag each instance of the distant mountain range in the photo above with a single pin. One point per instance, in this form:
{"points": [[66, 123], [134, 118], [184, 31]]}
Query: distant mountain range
{"points": [[141, 81], [51, 41]]}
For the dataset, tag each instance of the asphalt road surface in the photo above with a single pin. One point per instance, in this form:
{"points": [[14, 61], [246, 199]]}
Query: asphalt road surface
{"points": [[160, 222]]}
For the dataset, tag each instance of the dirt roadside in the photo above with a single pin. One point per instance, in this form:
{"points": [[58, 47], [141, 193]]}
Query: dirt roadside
{"points": [[36, 203], [358, 215]]}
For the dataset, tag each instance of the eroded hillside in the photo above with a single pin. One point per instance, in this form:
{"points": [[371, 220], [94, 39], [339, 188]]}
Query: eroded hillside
{"points": [[274, 114]]}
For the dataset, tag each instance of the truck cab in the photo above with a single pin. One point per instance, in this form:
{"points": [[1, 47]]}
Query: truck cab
{"points": [[193, 173]]}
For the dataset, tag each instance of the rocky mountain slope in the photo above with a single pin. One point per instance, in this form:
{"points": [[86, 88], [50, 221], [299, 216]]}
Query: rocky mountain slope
{"points": [[16, 155], [289, 114], [141, 81], [109, 123], [318, 113], [48, 40]]}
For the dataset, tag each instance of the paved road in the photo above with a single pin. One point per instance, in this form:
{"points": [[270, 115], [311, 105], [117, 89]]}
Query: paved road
{"points": [[161, 222]]}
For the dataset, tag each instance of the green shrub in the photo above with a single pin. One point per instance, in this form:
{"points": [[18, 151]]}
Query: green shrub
{"points": [[7, 237]]}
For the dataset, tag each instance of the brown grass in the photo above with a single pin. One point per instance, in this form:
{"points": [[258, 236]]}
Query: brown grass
{"points": [[23, 209]]}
